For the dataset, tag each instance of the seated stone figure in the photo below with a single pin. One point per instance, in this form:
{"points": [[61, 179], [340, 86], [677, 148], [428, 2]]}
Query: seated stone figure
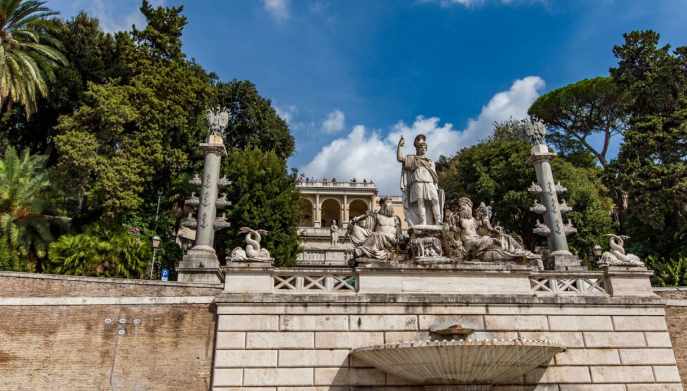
{"points": [[375, 234], [480, 241]]}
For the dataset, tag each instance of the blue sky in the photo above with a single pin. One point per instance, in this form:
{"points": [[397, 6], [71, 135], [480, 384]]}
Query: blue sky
{"points": [[351, 76]]}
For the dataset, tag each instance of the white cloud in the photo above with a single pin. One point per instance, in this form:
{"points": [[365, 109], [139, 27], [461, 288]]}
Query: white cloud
{"points": [[278, 9], [365, 153], [334, 122], [286, 113], [113, 15]]}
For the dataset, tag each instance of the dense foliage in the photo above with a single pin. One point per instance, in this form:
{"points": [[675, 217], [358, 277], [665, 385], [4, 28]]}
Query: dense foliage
{"points": [[120, 128]]}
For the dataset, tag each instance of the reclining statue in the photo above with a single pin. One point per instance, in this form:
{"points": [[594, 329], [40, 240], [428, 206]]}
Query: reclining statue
{"points": [[480, 241], [375, 234]]}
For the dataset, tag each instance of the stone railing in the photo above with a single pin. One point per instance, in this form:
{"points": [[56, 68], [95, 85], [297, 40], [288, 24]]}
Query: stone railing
{"points": [[567, 284], [348, 184], [314, 281]]}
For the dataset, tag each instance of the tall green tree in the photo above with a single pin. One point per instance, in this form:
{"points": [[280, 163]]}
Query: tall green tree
{"points": [[580, 110], [28, 53], [651, 166], [497, 172], [93, 58], [264, 196], [24, 227], [253, 122]]}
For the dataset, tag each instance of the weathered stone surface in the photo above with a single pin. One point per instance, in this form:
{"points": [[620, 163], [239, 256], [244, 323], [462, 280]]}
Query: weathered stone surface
{"points": [[165, 347], [245, 358], [659, 340], [248, 323], [349, 376], [559, 375], [314, 358], [277, 376], [616, 374], [666, 374], [313, 322], [475, 322], [592, 387], [647, 356], [580, 323], [383, 322], [643, 323], [654, 387], [230, 340], [280, 340], [347, 340], [588, 357], [570, 339], [227, 377], [510, 323], [614, 339]]}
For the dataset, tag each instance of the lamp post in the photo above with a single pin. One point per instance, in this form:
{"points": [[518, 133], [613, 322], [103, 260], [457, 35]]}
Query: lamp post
{"points": [[156, 245]]}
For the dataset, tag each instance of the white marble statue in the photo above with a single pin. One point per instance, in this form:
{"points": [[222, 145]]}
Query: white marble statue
{"points": [[334, 232], [375, 234], [423, 200], [253, 250], [617, 255], [483, 242]]}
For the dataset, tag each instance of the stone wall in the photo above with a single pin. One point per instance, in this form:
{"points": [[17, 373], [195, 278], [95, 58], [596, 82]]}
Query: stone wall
{"points": [[676, 317], [306, 346], [74, 333]]}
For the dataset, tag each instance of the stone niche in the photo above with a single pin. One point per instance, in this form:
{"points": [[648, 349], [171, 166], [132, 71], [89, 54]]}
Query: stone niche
{"points": [[296, 329]]}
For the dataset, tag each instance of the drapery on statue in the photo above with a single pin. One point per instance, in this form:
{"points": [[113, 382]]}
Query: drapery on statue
{"points": [[617, 255], [253, 251], [480, 241], [375, 234], [423, 200], [334, 233]]}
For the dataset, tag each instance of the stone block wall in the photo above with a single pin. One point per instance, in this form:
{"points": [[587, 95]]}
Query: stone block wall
{"points": [[297, 344]]}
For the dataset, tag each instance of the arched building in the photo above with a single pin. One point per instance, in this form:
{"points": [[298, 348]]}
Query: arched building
{"points": [[324, 201]]}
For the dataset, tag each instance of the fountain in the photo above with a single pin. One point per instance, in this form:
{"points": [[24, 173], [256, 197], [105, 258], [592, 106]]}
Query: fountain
{"points": [[449, 357]]}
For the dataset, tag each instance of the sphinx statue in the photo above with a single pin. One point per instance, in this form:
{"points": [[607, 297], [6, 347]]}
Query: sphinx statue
{"points": [[476, 239], [376, 234]]}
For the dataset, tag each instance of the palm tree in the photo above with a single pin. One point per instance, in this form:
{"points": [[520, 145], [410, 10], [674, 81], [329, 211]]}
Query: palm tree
{"points": [[24, 229], [28, 53]]}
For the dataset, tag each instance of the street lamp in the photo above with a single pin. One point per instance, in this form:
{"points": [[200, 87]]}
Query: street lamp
{"points": [[156, 244]]}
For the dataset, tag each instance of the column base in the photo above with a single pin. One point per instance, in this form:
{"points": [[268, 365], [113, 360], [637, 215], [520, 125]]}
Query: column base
{"points": [[200, 264], [563, 261]]}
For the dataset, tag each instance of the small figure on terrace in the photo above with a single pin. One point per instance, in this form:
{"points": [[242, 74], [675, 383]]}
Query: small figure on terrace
{"points": [[482, 241], [334, 231], [253, 251], [617, 255], [423, 200], [375, 234]]}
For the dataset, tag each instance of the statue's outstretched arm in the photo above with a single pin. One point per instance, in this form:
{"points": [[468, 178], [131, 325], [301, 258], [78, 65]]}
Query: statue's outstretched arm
{"points": [[399, 154]]}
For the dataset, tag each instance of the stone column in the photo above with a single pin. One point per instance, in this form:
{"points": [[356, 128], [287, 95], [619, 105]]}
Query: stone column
{"points": [[200, 264], [346, 213], [318, 212], [555, 230]]}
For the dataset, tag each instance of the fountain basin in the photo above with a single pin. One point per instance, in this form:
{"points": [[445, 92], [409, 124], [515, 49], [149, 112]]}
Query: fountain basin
{"points": [[459, 361]]}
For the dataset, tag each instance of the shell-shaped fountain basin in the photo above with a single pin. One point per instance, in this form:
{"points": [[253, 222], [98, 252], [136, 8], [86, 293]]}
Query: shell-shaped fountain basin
{"points": [[459, 361]]}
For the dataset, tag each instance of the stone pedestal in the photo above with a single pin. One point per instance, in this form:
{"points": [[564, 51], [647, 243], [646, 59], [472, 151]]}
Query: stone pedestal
{"points": [[200, 264], [426, 242], [563, 260]]}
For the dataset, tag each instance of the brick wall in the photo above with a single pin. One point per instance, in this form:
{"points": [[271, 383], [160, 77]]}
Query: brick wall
{"points": [[305, 347], [104, 334]]}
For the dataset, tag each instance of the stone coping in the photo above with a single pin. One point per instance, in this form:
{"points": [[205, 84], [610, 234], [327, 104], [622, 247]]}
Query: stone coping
{"points": [[109, 280], [430, 299]]}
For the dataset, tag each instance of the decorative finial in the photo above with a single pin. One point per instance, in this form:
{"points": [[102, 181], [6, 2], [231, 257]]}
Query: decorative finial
{"points": [[218, 119], [535, 131]]}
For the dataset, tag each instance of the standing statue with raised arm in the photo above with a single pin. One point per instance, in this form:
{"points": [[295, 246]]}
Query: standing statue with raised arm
{"points": [[423, 200]]}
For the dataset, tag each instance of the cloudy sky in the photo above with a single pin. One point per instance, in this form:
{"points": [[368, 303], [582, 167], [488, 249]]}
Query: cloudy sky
{"points": [[351, 76]]}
